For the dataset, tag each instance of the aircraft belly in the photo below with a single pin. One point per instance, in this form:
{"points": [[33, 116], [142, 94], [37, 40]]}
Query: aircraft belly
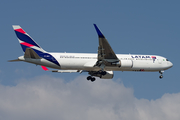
{"points": [[77, 64]]}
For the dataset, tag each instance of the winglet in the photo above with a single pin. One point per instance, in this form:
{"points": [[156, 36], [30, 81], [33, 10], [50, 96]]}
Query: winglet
{"points": [[44, 68], [98, 31]]}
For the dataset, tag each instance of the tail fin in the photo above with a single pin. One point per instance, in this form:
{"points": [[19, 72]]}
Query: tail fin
{"points": [[26, 41], [31, 48]]}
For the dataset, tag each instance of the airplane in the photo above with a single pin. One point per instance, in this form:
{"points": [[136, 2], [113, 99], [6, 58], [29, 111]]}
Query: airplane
{"points": [[102, 64]]}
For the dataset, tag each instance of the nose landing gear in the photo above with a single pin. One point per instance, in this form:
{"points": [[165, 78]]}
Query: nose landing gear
{"points": [[161, 74]]}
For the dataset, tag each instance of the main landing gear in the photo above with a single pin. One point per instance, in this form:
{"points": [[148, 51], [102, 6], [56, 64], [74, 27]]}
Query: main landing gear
{"points": [[161, 74], [91, 78]]}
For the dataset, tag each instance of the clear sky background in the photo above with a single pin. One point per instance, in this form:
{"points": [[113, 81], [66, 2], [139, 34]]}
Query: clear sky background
{"points": [[135, 27]]}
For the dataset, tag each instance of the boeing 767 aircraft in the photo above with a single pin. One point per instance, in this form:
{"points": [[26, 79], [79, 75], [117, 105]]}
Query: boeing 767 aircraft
{"points": [[101, 64]]}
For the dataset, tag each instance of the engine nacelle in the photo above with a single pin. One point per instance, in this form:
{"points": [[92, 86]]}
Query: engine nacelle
{"points": [[102, 74], [108, 75]]}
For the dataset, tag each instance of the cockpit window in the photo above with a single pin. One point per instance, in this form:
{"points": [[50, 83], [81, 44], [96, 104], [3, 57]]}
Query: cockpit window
{"points": [[167, 60]]}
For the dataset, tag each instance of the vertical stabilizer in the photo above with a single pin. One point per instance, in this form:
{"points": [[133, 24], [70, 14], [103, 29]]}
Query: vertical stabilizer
{"points": [[25, 40]]}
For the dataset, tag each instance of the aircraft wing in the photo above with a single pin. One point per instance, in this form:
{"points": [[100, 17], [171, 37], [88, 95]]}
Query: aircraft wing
{"points": [[105, 52]]}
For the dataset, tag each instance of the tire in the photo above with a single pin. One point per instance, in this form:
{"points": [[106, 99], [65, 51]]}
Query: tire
{"points": [[89, 78], [93, 79], [160, 76]]}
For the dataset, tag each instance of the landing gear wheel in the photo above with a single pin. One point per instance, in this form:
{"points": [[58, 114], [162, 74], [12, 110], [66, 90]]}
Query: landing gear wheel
{"points": [[93, 79], [89, 78], [160, 76], [103, 72]]}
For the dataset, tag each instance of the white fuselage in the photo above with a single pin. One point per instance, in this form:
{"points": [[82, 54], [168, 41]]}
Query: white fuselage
{"points": [[86, 61]]}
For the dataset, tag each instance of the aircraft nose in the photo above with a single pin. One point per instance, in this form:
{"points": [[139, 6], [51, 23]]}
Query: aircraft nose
{"points": [[170, 64]]}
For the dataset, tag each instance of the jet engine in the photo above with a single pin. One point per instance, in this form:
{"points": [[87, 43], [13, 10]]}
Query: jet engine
{"points": [[102, 74], [108, 75]]}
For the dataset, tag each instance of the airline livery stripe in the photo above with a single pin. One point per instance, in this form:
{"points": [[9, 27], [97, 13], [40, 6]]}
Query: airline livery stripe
{"points": [[44, 68], [25, 38], [20, 30], [27, 44], [153, 57]]}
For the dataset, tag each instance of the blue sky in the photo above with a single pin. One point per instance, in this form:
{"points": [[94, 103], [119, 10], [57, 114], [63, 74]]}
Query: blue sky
{"points": [[136, 27]]}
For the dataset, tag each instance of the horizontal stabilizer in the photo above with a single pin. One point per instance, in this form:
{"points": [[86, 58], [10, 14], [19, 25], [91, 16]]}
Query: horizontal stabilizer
{"points": [[16, 60], [30, 53]]}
